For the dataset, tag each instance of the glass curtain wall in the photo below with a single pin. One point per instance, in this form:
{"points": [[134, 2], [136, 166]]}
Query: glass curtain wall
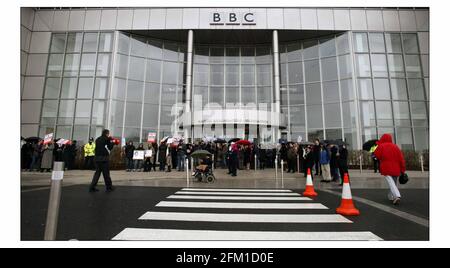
{"points": [[316, 89], [229, 79], [76, 85], [148, 90], [391, 88]]}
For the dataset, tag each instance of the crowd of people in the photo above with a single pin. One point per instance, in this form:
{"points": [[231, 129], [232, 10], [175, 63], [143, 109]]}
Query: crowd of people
{"points": [[326, 159], [37, 156]]}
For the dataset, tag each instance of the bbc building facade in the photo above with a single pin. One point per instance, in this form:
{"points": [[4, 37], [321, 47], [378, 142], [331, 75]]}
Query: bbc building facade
{"points": [[262, 74]]}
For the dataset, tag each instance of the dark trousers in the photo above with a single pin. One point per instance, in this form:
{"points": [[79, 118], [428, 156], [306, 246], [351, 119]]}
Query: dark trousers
{"points": [[234, 165], [147, 165], [343, 168], [101, 167], [291, 165], [375, 165], [162, 165], [318, 167], [89, 162]]}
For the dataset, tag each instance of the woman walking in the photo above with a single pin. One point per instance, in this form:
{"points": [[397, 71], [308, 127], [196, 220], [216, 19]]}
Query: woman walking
{"points": [[392, 165]]}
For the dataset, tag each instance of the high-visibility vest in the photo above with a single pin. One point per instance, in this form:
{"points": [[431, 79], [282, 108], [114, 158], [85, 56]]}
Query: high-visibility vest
{"points": [[373, 149], [89, 149]]}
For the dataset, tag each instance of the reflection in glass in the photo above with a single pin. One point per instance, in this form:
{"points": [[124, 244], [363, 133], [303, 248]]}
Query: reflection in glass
{"points": [[360, 42], [381, 89], [55, 64], [396, 65], [85, 88], [365, 89], [69, 88], [393, 43], [384, 113], [376, 41], [74, 42], [58, 43], [363, 65]]}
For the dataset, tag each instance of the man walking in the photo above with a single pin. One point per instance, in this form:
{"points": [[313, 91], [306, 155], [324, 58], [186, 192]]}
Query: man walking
{"points": [[103, 147], [89, 153]]}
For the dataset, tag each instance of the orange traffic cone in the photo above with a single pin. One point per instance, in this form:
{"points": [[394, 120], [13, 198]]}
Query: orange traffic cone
{"points": [[309, 190], [347, 207]]}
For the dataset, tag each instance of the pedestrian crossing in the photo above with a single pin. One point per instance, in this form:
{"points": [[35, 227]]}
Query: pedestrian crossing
{"points": [[241, 214]]}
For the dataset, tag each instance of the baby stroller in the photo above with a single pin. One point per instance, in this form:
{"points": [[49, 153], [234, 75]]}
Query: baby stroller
{"points": [[203, 172]]}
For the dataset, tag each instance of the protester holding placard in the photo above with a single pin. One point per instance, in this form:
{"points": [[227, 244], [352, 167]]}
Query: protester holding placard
{"points": [[129, 150], [149, 156], [138, 157], [47, 156]]}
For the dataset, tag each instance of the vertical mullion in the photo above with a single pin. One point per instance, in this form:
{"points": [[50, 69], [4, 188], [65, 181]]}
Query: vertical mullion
{"points": [[339, 87], [321, 90]]}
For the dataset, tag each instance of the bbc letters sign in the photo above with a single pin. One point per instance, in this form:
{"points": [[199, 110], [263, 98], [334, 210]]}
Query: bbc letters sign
{"points": [[232, 18]]}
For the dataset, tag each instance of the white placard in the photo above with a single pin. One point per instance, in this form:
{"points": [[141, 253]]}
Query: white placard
{"points": [[138, 155], [148, 153], [48, 138]]}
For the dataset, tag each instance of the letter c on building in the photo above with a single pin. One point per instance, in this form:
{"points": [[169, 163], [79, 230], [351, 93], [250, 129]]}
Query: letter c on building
{"points": [[247, 19]]}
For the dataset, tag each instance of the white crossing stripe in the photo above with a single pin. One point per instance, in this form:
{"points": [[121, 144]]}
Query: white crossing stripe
{"points": [[177, 204], [237, 190], [255, 218], [236, 193], [213, 197], [140, 234]]}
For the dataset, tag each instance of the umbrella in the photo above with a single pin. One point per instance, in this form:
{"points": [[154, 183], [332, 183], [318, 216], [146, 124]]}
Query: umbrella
{"points": [[339, 142], [33, 139], [219, 140], [165, 139], [368, 144], [244, 142], [234, 140], [306, 143], [200, 154]]}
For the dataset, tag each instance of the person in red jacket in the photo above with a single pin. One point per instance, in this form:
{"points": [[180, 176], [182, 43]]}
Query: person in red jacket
{"points": [[392, 165]]}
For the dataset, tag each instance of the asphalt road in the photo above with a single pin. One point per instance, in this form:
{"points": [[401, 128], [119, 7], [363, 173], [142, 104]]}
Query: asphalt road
{"points": [[102, 216]]}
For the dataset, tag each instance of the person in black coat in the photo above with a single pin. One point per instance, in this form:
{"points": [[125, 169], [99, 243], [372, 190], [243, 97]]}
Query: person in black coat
{"points": [[316, 153], [162, 156], [334, 167], [309, 160], [343, 162], [103, 147], [129, 152]]}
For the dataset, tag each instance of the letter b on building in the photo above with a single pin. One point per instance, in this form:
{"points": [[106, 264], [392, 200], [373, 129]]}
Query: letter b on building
{"points": [[216, 17]]}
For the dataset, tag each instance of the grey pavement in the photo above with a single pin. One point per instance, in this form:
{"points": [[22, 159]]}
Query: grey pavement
{"points": [[245, 179]]}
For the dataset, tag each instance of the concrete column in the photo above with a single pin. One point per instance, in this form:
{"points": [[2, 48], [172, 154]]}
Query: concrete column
{"points": [[189, 67], [276, 79], [276, 70]]}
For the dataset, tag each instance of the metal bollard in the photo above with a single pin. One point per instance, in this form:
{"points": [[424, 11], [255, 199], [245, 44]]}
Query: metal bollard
{"points": [[187, 173], [51, 224], [276, 172], [213, 163], [298, 164], [421, 163], [256, 161], [360, 163], [282, 173]]}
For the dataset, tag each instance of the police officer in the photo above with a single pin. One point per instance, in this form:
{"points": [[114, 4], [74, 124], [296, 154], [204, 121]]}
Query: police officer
{"points": [[103, 147], [89, 153]]}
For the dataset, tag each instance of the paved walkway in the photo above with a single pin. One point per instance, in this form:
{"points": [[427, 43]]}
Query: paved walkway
{"points": [[245, 179]]}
